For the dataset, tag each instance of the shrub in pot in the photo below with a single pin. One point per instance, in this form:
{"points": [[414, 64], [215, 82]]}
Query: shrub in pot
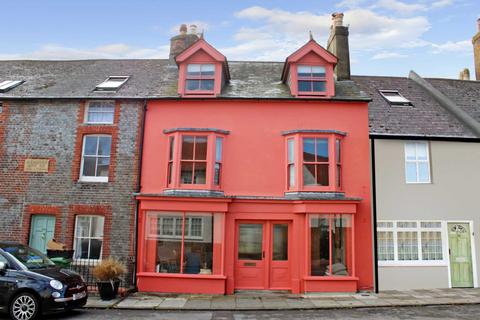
{"points": [[108, 273]]}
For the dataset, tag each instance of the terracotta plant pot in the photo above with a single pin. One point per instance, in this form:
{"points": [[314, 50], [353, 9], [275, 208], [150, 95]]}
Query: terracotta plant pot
{"points": [[108, 290]]}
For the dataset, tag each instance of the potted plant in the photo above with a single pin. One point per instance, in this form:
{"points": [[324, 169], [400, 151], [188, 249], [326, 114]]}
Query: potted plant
{"points": [[108, 273]]}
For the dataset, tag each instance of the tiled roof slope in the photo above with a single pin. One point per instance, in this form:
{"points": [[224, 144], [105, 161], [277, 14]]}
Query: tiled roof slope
{"points": [[425, 118], [465, 94], [148, 79]]}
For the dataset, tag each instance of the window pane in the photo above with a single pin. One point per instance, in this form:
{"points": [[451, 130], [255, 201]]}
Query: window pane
{"points": [[102, 167], [322, 150], [166, 226], [304, 71], [95, 249], [432, 245], [319, 86], [421, 151], [186, 172], [200, 173], [318, 71], [322, 174], [200, 148], [97, 227], [291, 175], [280, 242], [320, 245], [104, 144], [89, 166], [82, 228], [187, 147], [218, 149], [291, 150], [309, 174], [90, 147], [339, 176], [385, 246], [309, 149], [165, 245], [342, 236], [406, 224], [410, 153], [304, 86], [423, 172], [250, 241], [206, 85], [193, 69], [407, 246], [411, 172], [81, 248], [216, 179], [208, 69], [337, 151], [171, 145], [198, 254], [193, 85]]}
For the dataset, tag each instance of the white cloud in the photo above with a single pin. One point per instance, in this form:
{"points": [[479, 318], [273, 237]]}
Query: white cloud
{"points": [[464, 46], [401, 7], [388, 55], [110, 51], [441, 3], [350, 4]]}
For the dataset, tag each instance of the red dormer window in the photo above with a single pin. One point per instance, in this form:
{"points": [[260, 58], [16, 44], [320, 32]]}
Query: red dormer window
{"points": [[311, 79], [200, 78], [202, 71], [309, 72]]}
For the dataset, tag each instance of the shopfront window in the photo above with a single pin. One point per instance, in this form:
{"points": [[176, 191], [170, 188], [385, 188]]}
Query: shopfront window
{"points": [[331, 245], [183, 242]]}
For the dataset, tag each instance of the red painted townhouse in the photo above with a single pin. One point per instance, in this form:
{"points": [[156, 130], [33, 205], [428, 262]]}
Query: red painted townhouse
{"points": [[255, 175]]}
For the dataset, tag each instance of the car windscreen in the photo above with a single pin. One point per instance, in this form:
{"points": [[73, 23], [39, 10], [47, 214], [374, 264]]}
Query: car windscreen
{"points": [[28, 257]]}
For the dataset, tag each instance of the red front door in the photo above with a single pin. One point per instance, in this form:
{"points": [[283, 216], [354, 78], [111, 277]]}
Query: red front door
{"points": [[262, 255]]}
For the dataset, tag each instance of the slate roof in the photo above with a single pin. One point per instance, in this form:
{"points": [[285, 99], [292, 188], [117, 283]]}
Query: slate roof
{"points": [[148, 79], [425, 118]]}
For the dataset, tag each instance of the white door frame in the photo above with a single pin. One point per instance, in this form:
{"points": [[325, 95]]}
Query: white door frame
{"points": [[472, 248]]}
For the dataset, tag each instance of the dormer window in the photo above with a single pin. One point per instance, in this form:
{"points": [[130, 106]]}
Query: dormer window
{"points": [[395, 98], [200, 78], [311, 79]]}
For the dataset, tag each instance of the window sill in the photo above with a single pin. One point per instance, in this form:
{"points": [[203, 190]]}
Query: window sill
{"points": [[99, 123], [439, 263], [93, 179], [181, 275], [331, 278], [427, 182]]}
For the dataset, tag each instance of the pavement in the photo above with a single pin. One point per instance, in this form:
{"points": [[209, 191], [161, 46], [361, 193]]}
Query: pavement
{"points": [[256, 301]]}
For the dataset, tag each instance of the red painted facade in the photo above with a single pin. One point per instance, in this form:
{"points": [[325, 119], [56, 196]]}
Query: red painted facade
{"points": [[227, 202]]}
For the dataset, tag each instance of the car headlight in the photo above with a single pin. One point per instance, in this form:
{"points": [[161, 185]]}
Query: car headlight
{"points": [[55, 284]]}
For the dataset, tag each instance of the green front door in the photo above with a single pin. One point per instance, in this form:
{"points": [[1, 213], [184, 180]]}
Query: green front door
{"points": [[41, 231], [460, 249]]}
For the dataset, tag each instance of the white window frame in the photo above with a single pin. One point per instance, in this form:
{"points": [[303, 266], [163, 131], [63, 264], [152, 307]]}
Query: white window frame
{"points": [[87, 110], [187, 232], [420, 262], [8, 85], [106, 85], [90, 238], [92, 178], [417, 161], [397, 101]]}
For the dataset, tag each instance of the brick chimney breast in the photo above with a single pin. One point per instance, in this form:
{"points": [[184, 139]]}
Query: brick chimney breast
{"points": [[182, 41], [476, 50], [338, 45]]}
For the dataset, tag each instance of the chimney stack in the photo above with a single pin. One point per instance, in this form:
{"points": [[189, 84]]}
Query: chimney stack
{"points": [[182, 41], [338, 45], [476, 50], [464, 74]]}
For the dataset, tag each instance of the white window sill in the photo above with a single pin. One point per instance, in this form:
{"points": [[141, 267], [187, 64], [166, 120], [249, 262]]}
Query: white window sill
{"points": [[427, 182], [93, 179], [99, 123], [439, 263]]}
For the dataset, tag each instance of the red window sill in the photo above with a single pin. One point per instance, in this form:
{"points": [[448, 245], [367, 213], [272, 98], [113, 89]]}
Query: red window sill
{"points": [[331, 278], [181, 275]]}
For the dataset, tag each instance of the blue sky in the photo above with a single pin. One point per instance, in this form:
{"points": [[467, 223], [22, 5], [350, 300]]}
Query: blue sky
{"points": [[387, 37]]}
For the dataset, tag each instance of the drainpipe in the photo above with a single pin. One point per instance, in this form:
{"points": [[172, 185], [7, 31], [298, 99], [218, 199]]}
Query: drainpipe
{"points": [[139, 187], [374, 215]]}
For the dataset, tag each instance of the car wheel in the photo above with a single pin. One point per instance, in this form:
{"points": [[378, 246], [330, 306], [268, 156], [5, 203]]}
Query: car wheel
{"points": [[24, 307]]}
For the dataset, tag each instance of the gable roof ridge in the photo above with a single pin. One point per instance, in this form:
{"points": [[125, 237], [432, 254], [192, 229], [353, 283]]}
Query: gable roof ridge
{"points": [[447, 103]]}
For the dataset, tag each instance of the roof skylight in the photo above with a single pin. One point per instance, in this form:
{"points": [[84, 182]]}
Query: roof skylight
{"points": [[9, 84], [113, 83], [395, 98]]}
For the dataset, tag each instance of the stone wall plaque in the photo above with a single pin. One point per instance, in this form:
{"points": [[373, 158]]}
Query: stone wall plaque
{"points": [[36, 165]]}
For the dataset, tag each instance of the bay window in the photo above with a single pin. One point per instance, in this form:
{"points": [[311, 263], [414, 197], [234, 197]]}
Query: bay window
{"points": [[183, 242], [331, 245], [195, 159], [314, 161]]}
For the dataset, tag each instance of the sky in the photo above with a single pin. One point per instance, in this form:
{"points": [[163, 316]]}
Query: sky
{"points": [[387, 37]]}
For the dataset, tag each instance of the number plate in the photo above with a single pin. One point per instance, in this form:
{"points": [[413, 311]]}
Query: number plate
{"points": [[79, 295]]}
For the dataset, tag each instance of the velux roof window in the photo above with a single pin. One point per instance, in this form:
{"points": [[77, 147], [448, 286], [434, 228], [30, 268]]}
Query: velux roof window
{"points": [[395, 98], [9, 84], [113, 83]]}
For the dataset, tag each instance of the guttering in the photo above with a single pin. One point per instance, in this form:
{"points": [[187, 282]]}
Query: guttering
{"points": [[381, 136], [447, 103], [139, 187]]}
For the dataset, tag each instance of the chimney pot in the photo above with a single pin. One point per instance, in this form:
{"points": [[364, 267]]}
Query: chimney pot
{"points": [[478, 24], [183, 28], [337, 19], [193, 29], [465, 74]]}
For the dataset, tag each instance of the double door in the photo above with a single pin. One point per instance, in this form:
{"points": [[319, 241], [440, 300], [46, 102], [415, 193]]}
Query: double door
{"points": [[262, 255]]}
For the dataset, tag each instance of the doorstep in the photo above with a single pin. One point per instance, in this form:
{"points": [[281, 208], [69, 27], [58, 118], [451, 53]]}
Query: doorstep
{"points": [[254, 301]]}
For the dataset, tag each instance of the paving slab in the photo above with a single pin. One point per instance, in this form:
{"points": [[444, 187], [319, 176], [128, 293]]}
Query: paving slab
{"points": [[223, 303], [325, 303], [96, 302], [172, 303], [198, 304], [300, 303]]}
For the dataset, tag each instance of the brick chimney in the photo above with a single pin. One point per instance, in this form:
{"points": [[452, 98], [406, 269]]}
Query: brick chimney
{"points": [[182, 41], [476, 50], [464, 74], [338, 45]]}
